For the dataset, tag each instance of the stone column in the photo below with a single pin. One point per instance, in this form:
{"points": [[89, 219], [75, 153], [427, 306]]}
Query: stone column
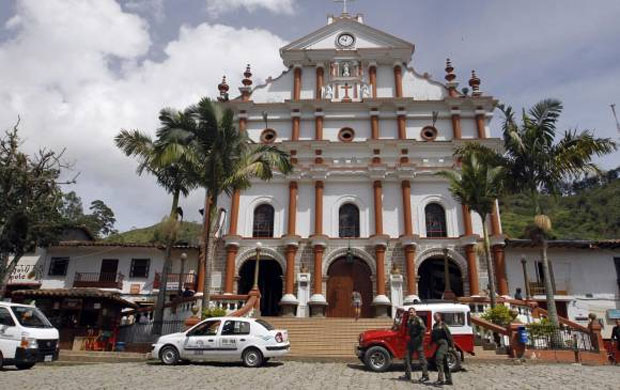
{"points": [[470, 252], [297, 83], [289, 302], [456, 123], [243, 121], [378, 202], [401, 115], [480, 123], [381, 302], [296, 115], [231, 256], [409, 246], [372, 76], [398, 81]]}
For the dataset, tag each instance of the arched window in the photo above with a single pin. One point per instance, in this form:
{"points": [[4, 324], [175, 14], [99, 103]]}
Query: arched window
{"points": [[435, 220], [263, 221], [349, 220]]}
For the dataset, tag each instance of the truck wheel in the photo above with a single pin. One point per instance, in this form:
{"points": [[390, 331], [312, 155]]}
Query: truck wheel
{"points": [[1, 361], [252, 357], [24, 366], [169, 355], [377, 359], [454, 361]]}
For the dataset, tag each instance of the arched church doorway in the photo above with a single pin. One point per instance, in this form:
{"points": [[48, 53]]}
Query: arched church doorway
{"points": [[344, 276], [269, 283], [432, 285]]}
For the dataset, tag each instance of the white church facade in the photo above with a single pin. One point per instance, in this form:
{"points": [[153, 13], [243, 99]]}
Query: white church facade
{"points": [[363, 209]]}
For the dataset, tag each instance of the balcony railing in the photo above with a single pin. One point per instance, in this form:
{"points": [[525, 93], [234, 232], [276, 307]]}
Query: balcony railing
{"points": [[538, 288], [98, 280], [188, 280]]}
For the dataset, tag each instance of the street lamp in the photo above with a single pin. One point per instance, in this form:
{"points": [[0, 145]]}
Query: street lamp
{"points": [[181, 279], [259, 246]]}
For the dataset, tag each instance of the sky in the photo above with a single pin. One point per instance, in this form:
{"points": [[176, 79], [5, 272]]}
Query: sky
{"points": [[78, 71]]}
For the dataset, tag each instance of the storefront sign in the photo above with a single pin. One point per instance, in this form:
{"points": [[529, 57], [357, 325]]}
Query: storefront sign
{"points": [[27, 271], [613, 314]]}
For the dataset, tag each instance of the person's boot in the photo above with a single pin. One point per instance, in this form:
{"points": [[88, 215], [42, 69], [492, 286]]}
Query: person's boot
{"points": [[438, 383], [449, 382], [404, 378], [424, 378]]}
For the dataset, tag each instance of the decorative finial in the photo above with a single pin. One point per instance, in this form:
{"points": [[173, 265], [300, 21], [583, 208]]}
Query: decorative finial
{"points": [[450, 76], [223, 88], [247, 81], [474, 83]]}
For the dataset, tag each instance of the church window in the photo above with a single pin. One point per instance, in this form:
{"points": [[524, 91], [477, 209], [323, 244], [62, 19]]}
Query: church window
{"points": [[349, 220], [268, 136], [346, 134], [263, 221], [435, 220], [429, 133]]}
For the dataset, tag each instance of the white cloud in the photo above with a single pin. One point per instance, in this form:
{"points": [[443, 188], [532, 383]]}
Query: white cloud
{"points": [[217, 7], [56, 73]]}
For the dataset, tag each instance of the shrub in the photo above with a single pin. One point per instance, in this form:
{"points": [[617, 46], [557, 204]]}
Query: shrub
{"points": [[213, 312], [544, 328], [499, 315]]}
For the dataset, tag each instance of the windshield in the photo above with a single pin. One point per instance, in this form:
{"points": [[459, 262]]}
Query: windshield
{"points": [[30, 317], [265, 324]]}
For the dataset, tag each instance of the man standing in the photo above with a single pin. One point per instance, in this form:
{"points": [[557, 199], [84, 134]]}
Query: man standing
{"points": [[615, 334], [356, 301], [416, 329], [443, 338]]}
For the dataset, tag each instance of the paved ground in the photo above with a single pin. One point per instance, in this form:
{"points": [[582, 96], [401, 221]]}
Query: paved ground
{"points": [[299, 376]]}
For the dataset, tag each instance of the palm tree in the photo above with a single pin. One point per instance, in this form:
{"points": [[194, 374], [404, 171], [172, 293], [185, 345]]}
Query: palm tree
{"points": [[536, 164], [229, 161], [174, 165], [477, 185]]}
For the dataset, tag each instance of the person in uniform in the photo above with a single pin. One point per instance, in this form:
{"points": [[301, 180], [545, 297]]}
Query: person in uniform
{"points": [[442, 337], [615, 334], [416, 329]]}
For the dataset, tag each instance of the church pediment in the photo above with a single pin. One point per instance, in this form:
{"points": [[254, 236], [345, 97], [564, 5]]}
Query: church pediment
{"points": [[344, 35]]}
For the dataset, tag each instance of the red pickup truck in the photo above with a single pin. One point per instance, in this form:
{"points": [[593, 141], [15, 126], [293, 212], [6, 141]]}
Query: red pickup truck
{"points": [[379, 347]]}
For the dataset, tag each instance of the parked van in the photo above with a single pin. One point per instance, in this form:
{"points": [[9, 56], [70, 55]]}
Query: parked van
{"points": [[26, 336], [377, 348]]}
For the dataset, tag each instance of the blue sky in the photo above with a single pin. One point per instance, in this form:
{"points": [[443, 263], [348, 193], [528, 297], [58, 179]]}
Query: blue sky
{"points": [[79, 70]]}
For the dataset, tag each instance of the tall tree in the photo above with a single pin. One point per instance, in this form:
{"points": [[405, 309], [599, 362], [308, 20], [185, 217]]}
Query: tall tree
{"points": [[174, 167], [229, 161], [535, 164], [477, 185], [30, 202]]}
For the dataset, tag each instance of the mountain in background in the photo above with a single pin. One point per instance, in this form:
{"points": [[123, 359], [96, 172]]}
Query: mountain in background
{"points": [[189, 233]]}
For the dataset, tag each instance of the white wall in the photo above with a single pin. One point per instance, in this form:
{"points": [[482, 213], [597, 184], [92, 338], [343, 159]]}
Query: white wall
{"points": [[385, 81], [275, 194]]}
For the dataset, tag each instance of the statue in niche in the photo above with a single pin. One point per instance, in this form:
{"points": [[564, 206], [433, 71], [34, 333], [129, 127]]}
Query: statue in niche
{"points": [[365, 91], [328, 92], [346, 72]]}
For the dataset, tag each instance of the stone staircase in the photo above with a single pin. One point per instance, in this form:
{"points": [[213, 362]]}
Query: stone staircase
{"points": [[325, 337]]}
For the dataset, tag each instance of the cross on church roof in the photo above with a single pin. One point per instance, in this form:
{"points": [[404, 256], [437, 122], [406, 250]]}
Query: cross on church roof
{"points": [[344, 5]]}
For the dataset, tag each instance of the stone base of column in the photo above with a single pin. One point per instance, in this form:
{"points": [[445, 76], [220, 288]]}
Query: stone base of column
{"points": [[318, 305], [288, 304], [382, 306], [411, 300]]}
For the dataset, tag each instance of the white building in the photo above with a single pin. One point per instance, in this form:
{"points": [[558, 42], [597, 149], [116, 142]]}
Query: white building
{"points": [[367, 134]]}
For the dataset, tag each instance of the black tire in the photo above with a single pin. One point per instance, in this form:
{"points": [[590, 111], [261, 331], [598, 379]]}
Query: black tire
{"points": [[252, 357], [24, 366], [377, 359], [169, 355], [454, 360], [1, 361]]}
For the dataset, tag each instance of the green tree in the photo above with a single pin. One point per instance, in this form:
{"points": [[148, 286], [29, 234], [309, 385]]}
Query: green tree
{"points": [[30, 202], [101, 219], [477, 185], [174, 167], [228, 160], [535, 164]]}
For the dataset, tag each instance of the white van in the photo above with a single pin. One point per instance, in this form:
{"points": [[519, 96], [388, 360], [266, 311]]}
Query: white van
{"points": [[26, 336]]}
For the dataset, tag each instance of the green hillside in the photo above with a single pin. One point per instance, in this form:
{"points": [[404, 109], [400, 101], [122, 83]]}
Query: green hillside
{"points": [[590, 213], [189, 233]]}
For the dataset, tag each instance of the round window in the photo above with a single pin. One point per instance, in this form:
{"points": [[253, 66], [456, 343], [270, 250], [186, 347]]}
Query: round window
{"points": [[346, 135], [268, 136], [429, 133]]}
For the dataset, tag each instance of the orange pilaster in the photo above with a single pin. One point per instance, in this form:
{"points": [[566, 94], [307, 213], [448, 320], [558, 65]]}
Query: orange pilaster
{"points": [[480, 126], [374, 126], [292, 207], [243, 124], [496, 228], [231, 254], [472, 270], [318, 124], [318, 208], [500, 269], [234, 212], [318, 269], [412, 286], [319, 82], [456, 126], [467, 220], [296, 125], [289, 287], [398, 81], [380, 258], [402, 126], [297, 84], [378, 198], [372, 75]]}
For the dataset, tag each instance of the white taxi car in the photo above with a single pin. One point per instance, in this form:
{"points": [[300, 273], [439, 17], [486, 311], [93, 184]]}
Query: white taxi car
{"points": [[254, 341]]}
